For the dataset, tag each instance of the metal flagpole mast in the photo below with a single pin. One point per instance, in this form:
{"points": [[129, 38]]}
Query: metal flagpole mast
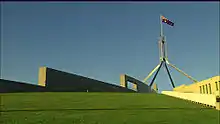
{"points": [[163, 56], [161, 50], [161, 26], [161, 39]]}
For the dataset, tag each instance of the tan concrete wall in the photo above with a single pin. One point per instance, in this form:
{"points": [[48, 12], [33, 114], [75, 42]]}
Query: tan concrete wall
{"points": [[123, 81], [140, 86], [135, 87], [155, 88], [42, 76], [208, 99], [210, 87]]}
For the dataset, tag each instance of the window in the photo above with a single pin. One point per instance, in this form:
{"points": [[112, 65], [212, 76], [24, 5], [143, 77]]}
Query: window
{"points": [[210, 89], [216, 84], [203, 87], [206, 86], [200, 87]]}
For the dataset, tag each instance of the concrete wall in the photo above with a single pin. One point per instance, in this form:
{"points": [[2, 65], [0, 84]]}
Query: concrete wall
{"points": [[55, 80], [207, 99], [51, 80], [155, 88], [42, 76], [208, 86], [7, 86], [141, 87]]}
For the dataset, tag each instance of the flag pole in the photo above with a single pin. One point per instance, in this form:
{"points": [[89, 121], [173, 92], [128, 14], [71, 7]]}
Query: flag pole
{"points": [[161, 41], [161, 27]]}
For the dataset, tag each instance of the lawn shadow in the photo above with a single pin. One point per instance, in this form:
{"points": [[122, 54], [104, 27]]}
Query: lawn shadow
{"points": [[100, 109]]}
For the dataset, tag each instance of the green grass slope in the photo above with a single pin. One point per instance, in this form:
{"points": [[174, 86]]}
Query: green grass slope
{"points": [[101, 108]]}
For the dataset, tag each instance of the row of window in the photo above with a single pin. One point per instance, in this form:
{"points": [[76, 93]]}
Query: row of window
{"points": [[207, 88]]}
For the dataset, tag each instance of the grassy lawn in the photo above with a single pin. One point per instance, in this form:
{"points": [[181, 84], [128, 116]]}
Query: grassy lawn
{"points": [[101, 108]]}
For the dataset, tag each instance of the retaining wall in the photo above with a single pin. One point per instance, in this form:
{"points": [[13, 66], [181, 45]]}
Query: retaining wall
{"points": [[206, 99], [7, 86]]}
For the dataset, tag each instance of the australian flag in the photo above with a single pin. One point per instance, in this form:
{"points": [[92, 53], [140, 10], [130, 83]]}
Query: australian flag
{"points": [[165, 20]]}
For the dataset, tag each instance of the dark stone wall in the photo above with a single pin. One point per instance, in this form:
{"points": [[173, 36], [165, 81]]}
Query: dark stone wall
{"points": [[7, 86], [58, 81], [62, 81], [141, 87]]}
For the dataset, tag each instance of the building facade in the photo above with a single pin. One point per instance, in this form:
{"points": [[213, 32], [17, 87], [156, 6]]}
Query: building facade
{"points": [[208, 86]]}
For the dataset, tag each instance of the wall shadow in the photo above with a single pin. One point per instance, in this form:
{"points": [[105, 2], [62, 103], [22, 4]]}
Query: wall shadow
{"points": [[103, 109]]}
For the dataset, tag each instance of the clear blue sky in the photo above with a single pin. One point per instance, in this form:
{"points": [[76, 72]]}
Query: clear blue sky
{"points": [[104, 40]]}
